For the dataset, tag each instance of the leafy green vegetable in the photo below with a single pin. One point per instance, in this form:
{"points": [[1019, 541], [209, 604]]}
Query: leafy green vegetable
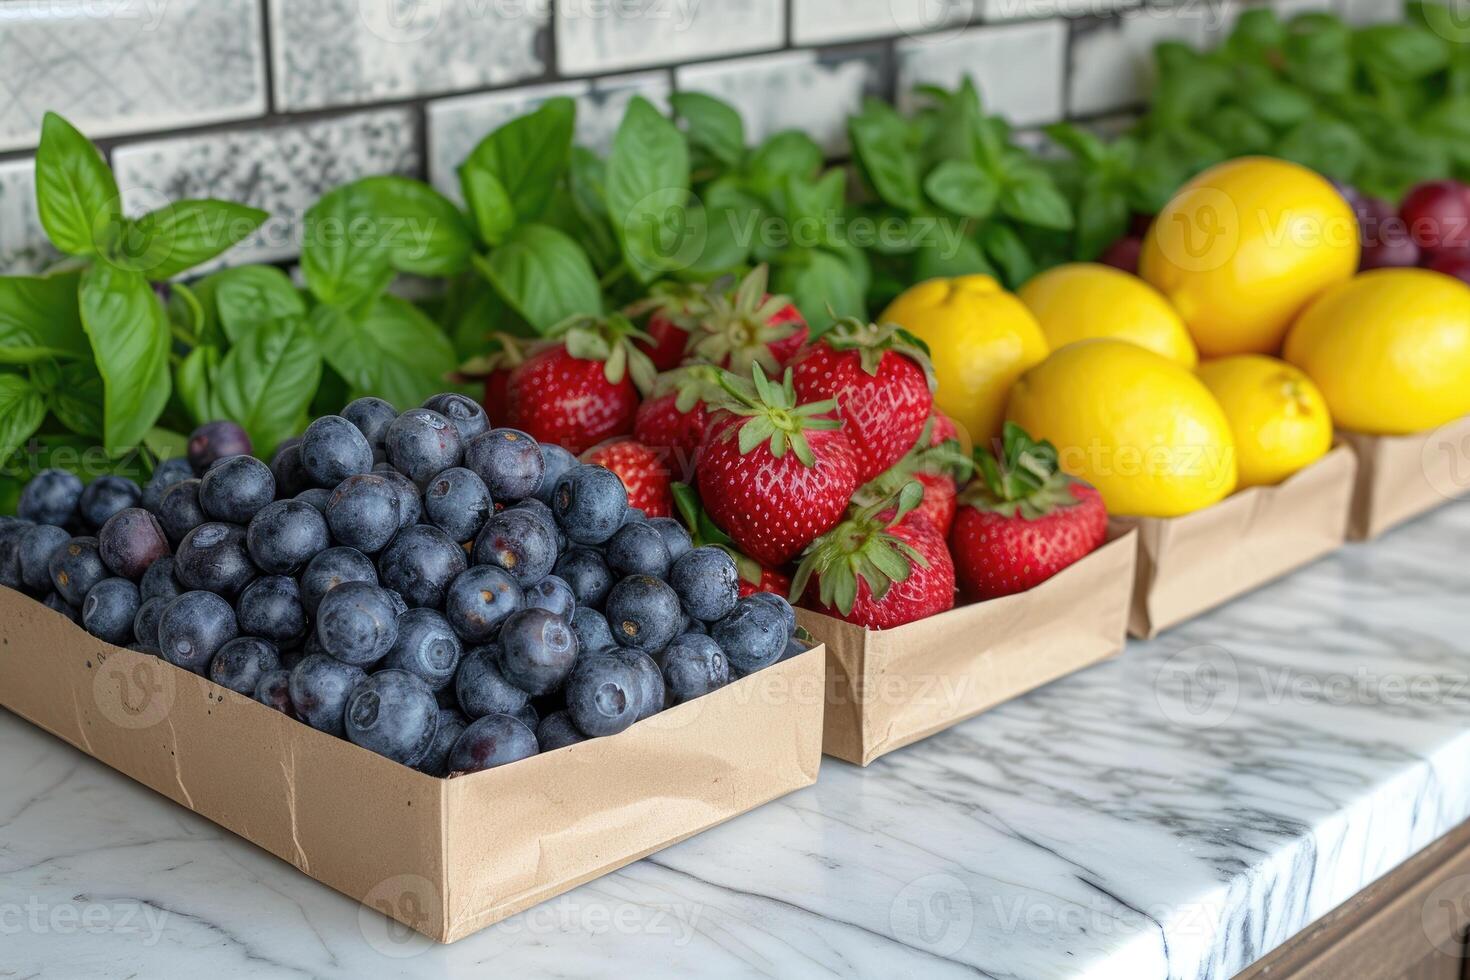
{"points": [[391, 350], [39, 319], [76, 195], [647, 191], [130, 338], [266, 381], [21, 412], [543, 275]]}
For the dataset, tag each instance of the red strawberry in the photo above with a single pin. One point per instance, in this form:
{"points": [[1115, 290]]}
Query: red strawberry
{"points": [[675, 418], [939, 503], [883, 383], [770, 580], [582, 390], [775, 475], [1022, 520], [942, 429], [672, 310], [494, 368], [748, 326], [936, 467], [642, 471], [880, 568]]}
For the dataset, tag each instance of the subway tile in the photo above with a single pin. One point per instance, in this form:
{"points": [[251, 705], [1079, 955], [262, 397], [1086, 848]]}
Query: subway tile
{"points": [[828, 21], [24, 248], [114, 68], [350, 52], [1017, 67], [1112, 58], [280, 169], [1008, 10], [595, 36], [792, 90], [1372, 11]]}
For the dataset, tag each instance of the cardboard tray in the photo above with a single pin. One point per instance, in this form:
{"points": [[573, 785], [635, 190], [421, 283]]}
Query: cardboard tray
{"points": [[1190, 564], [1401, 477], [446, 857], [891, 688]]}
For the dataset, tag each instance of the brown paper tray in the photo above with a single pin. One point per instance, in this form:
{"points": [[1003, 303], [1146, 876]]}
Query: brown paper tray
{"points": [[1402, 477], [1190, 564], [445, 857], [890, 688]]}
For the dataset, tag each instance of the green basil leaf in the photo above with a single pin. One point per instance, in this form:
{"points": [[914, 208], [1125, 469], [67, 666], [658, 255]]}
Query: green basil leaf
{"points": [[345, 255], [76, 195], [195, 379], [725, 245], [963, 188], [130, 340], [22, 409], [1401, 51], [647, 192], [40, 318], [491, 208], [251, 296], [1102, 218], [964, 258], [1328, 146], [528, 155], [425, 234], [544, 276], [586, 180], [391, 350], [1005, 248], [880, 140], [77, 400], [1276, 104], [179, 236], [823, 288], [1256, 34], [712, 125], [267, 380], [1034, 200], [787, 154]]}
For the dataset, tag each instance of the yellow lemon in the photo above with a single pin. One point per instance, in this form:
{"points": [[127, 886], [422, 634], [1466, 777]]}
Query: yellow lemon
{"points": [[1277, 416], [1141, 428], [980, 338], [1243, 247], [1086, 299], [1389, 349]]}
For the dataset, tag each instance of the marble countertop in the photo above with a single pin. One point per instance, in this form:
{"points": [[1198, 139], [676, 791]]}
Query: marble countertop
{"points": [[1178, 812]]}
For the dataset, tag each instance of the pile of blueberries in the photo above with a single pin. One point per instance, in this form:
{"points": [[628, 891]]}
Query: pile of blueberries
{"points": [[449, 595]]}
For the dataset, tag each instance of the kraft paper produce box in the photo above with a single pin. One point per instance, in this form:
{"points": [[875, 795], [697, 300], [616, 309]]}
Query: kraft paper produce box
{"points": [[446, 857], [890, 688], [1401, 477], [1190, 564]]}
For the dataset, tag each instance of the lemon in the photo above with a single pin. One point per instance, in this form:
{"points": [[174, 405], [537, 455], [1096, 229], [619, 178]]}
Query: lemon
{"points": [[1085, 299], [980, 339], [1243, 247], [1390, 350], [1277, 416], [1141, 428]]}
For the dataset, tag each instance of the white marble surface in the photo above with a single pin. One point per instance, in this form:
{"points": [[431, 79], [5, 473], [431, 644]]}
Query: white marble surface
{"points": [[1106, 826]]}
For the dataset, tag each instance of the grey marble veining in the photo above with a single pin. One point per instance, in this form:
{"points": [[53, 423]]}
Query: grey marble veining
{"points": [[1178, 812]]}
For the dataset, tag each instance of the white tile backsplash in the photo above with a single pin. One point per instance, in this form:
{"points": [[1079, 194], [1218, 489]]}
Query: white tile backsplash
{"points": [[1112, 60], [993, 57], [828, 21], [598, 36], [23, 245]]}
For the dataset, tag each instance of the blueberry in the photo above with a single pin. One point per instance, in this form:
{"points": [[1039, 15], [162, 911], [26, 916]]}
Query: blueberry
{"points": [[271, 607], [11, 529], [242, 662], [585, 571], [357, 623], [234, 489], [274, 691], [109, 610], [213, 557], [554, 462], [394, 714], [363, 513], [320, 687], [593, 633], [288, 469], [519, 542], [168, 472], [426, 646], [676, 539], [552, 594], [410, 505], [179, 511], [589, 503], [604, 696], [192, 629], [633, 516], [131, 541], [51, 497], [457, 502], [104, 497], [637, 549], [213, 441], [330, 569], [794, 648], [537, 650], [372, 416], [494, 740], [159, 581], [75, 567], [286, 534], [542, 511], [464, 413], [436, 760], [421, 443], [399, 605], [557, 731], [651, 690], [482, 689], [776, 602], [753, 636], [145, 623], [479, 600], [644, 612], [706, 582], [55, 602], [36, 544], [693, 666], [419, 563], [332, 449], [509, 461]]}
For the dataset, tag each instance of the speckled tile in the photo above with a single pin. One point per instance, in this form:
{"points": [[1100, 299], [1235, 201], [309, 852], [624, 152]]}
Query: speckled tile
{"points": [[128, 66], [595, 36], [281, 169], [1008, 10], [349, 52], [1112, 58], [23, 245], [792, 90], [1018, 67], [826, 21]]}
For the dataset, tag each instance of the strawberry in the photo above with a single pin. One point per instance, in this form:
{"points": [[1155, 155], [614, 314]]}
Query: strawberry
{"points": [[774, 474], [494, 368], [580, 390], [883, 383], [942, 429], [880, 568], [748, 326], [754, 577], [936, 466], [642, 471], [768, 580], [940, 500], [674, 417], [672, 310], [1022, 520]]}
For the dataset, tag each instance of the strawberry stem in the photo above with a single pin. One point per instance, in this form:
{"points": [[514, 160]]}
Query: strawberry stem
{"points": [[774, 417], [1025, 478], [861, 548]]}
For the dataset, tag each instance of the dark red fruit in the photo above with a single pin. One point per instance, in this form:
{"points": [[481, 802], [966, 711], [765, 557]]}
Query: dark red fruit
{"points": [[1438, 215], [1456, 264], [1123, 254]]}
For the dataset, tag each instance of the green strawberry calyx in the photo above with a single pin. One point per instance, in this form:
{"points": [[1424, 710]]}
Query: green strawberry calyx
{"points": [[1024, 480], [872, 340], [609, 339], [683, 304], [690, 385], [773, 417], [735, 326], [506, 351], [863, 547], [923, 458], [703, 531]]}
